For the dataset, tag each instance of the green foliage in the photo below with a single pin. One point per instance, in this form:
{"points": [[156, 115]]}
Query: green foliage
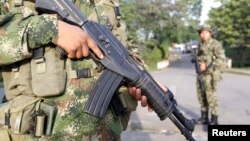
{"points": [[232, 22], [164, 46], [155, 24], [240, 56], [151, 57]]}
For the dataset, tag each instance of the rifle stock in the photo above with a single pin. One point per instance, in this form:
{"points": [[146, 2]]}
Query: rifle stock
{"points": [[120, 66]]}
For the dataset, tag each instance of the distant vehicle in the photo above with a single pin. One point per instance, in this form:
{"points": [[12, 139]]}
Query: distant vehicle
{"points": [[189, 46], [180, 47]]}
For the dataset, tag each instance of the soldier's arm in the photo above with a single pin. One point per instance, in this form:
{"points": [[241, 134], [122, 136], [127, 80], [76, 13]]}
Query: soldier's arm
{"points": [[21, 32], [219, 56]]}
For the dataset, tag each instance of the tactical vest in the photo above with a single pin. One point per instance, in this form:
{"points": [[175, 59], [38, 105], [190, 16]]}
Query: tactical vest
{"points": [[22, 82]]}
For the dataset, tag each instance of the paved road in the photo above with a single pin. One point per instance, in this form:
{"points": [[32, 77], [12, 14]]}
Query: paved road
{"points": [[233, 95]]}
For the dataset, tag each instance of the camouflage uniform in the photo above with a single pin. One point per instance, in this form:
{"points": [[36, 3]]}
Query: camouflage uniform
{"points": [[212, 54], [23, 31]]}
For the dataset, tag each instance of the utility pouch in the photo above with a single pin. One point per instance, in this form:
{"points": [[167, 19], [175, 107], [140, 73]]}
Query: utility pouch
{"points": [[43, 119], [17, 79], [15, 115], [48, 72], [50, 114], [4, 134]]}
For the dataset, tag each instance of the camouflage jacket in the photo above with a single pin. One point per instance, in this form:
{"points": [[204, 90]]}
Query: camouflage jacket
{"points": [[211, 53], [22, 31]]}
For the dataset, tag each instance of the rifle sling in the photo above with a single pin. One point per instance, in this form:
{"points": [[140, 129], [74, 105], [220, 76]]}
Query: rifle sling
{"points": [[102, 93]]}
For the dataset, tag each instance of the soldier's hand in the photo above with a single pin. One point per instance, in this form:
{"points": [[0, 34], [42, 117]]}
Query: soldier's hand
{"points": [[136, 93], [75, 41], [202, 66]]}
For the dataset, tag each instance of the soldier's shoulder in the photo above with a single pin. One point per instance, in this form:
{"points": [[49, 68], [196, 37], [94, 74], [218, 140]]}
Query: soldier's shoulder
{"points": [[216, 43]]}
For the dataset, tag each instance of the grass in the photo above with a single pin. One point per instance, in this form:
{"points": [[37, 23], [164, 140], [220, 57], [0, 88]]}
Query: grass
{"points": [[242, 68], [246, 68]]}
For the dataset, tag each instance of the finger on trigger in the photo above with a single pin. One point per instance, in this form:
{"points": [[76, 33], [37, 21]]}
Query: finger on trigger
{"points": [[95, 49]]}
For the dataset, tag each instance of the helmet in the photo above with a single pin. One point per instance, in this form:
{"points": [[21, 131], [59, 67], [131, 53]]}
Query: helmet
{"points": [[205, 27]]}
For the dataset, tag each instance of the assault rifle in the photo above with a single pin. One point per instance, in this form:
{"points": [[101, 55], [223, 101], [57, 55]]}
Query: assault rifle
{"points": [[198, 72], [120, 68]]}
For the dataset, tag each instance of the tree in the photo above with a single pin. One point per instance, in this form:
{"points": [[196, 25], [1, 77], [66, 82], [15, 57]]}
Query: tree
{"points": [[232, 22], [157, 23]]}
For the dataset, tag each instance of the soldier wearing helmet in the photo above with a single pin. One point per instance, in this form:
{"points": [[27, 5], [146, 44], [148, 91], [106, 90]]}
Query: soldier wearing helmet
{"points": [[210, 55], [205, 27]]}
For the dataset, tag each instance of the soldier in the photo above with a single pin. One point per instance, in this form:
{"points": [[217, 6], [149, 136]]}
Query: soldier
{"points": [[36, 76], [211, 57]]}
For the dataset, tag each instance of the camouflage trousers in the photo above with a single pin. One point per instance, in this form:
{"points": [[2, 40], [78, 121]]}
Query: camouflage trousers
{"points": [[209, 101]]}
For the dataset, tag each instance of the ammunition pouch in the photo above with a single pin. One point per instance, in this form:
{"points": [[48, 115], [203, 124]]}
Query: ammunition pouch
{"points": [[20, 117], [16, 79], [48, 72], [43, 119], [15, 115], [43, 76]]}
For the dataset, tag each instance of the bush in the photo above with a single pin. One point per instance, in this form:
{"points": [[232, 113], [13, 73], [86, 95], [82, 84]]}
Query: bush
{"points": [[240, 56], [165, 49], [151, 57]]}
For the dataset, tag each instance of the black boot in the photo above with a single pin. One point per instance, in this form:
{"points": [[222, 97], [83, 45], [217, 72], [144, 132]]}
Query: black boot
{"points": [[203, 119], [214, 120]]}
